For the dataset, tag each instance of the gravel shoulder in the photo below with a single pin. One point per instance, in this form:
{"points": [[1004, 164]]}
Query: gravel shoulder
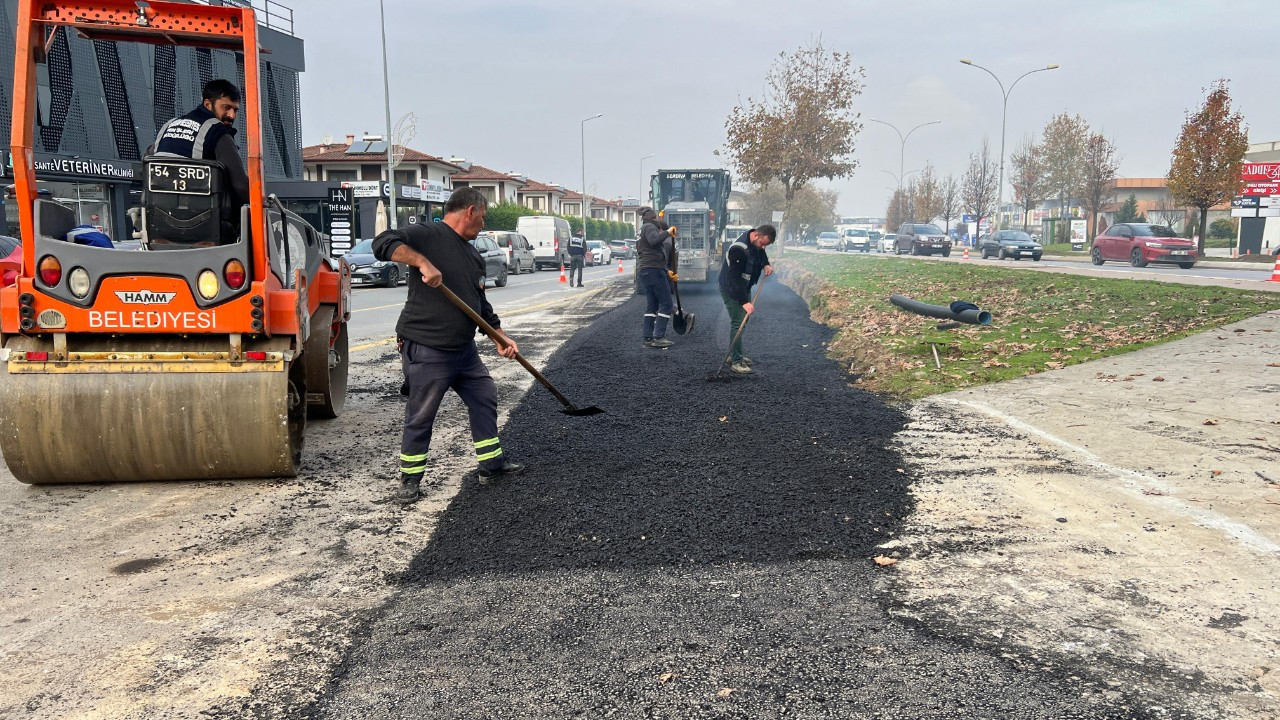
{"points": [[1123, 512], [232, 599]]}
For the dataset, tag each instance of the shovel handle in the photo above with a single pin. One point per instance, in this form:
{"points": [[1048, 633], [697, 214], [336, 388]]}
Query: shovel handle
{"points": [[501, 342], [743, 326]]}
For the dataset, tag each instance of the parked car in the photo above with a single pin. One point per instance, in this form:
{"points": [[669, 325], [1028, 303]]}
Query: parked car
{"points": [[874, 236], [1143, 243], [516, 246], [922, 239], [549, 237], [600, 253], [11, 252], [828, 241], [621, 249], [369, 270], [495, 260], [1009, 244], [888, 241], [859, 240]]}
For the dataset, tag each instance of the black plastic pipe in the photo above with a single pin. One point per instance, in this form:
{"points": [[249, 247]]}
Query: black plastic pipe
{"points": [[972, 316]]}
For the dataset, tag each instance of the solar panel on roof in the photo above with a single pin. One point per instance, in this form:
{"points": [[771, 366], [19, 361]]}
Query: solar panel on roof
{"points": [[356, 148], [377, 147]]}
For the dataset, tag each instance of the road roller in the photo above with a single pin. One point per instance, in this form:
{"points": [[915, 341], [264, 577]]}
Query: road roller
{"points": [[202, 355]]}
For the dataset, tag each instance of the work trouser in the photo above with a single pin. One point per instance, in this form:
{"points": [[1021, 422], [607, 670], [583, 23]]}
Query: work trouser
{"points": [[657, 290], [737, 316], [575, 266], [429, 373]]}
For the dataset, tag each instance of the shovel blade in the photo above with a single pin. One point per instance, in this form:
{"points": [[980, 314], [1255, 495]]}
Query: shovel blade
{"points": [[682, 323], [582, 412]]}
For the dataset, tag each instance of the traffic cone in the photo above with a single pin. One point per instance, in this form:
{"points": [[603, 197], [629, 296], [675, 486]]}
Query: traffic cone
{"points": [[1275, 272], [563, 279], [619, 266], [966, 253]]}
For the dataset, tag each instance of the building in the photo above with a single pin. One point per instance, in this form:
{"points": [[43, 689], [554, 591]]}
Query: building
{"points": [[101, 104], [542, 197], [365, 160], [1155, 203], [1260, 234], [497, 187]]}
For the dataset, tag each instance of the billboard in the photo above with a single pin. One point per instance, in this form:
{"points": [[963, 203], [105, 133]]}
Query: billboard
{"points": [[1260, 179]]}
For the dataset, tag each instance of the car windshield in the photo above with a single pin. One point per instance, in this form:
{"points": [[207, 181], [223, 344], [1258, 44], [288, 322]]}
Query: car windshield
{"points": [[594, 244], [828, 236], [364, 247], [1016, 236], [857, 233], [928, 230], [1153, 231], [502, 240]]}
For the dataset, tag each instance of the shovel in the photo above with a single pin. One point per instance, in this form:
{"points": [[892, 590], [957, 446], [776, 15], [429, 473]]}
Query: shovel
{"points": [[681, 321], [729, 358], [569, 408]]}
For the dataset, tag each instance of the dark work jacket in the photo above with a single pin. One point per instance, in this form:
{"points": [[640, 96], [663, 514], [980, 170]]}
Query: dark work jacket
{"points": [[577, 246], [428, 317], [653, 249], [200, 135], [743, 263]]}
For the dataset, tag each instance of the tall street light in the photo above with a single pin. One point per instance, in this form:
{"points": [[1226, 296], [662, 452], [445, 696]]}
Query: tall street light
{"points": [[386, 90], [643, 185], [1004, 114], [902, 150], [585, 203]]}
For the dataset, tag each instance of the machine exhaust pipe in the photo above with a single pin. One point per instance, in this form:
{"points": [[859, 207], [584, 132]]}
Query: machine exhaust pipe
{"points": [[969, 313]]}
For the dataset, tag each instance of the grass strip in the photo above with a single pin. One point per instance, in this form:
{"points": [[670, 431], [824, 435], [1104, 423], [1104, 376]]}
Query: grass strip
{"points": [[1042, 321]]}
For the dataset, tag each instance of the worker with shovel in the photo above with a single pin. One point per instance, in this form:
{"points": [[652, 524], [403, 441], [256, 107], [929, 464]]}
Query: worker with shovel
{"points": [[437, 340], [653, 260], [744, 262]]}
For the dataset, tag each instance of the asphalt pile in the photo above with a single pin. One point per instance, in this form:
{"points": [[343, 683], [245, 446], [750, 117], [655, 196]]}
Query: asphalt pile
{"points": [[703, 549]]}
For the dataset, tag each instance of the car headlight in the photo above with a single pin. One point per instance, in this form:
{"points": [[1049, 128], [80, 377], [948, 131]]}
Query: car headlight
{"points": [[380, 263], [1150, 244]]}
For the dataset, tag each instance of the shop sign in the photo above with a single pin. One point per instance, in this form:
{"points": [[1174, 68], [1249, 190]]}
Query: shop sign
{"points": [[47, 165], [364, 188], [434, 191], [340, 219]]}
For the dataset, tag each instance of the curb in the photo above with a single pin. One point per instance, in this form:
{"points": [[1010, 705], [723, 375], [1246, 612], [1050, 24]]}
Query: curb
{"points": [[1258, 267]]}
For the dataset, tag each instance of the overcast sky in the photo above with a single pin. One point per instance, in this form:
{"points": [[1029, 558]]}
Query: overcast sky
{"points": [[506, 84]]}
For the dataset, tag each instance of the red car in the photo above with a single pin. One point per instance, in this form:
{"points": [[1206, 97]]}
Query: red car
{"points": [[1143, 243]]}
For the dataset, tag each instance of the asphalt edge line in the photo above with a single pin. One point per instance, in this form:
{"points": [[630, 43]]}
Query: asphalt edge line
{"points": [[1136, 482]]}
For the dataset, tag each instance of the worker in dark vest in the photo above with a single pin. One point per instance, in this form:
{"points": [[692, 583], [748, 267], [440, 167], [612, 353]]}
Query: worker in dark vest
{"points": [[744, 262], [206, 133], [577, 257]]}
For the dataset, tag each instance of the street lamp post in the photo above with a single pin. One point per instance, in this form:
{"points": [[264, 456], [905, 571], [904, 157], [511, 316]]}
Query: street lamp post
{"points": [[386, 90], [585, 204], [643, 185], [1004, 114], [902, 150]]}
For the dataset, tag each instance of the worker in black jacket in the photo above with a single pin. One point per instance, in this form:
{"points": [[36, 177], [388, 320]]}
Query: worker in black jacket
{"points": [[437, 340], [744, 262], [577, 256], [653, 258], [207, 133]]}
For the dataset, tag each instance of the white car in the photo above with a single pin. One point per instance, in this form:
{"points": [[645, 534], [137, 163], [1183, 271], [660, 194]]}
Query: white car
{"points": [[888, 241], [600, 252], [828, 241]]}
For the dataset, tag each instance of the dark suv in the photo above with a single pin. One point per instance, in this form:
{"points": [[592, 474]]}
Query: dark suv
{"points": [[921, 239]]}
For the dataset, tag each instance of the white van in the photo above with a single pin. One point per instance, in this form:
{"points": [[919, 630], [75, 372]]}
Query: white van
{"points": [[549, 237]]}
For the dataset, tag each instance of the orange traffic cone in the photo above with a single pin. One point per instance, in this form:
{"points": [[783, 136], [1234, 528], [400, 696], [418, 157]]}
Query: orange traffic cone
{"points": [[619, 266], [1275, 272], [563, 279], [966, 253]]}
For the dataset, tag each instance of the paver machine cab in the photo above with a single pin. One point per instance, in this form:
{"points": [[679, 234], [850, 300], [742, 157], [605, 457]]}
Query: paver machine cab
{"points": [[696, 203], [198, 357]]}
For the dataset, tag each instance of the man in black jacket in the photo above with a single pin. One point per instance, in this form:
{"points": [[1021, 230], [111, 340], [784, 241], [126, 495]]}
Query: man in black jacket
{"points": [[653, 258], [206, 133], [577, 256], [437, 340], [744, 262]]}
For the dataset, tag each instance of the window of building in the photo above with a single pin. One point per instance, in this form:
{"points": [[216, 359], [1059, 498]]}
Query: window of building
{"points": [[535, 203], [342, 176], [406, 177], [597, 214], [488, 192], [370, 172]]}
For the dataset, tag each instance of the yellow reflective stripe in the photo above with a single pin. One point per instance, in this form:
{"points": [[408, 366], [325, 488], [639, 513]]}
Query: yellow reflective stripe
{"points": [[486, 443], [413, 458], [489, 455], [416, 470]]}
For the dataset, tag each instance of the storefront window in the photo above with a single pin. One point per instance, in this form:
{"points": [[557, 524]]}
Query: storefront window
{"points": [[89, 201]]}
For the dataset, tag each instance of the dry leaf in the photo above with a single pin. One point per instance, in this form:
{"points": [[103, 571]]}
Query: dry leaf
{"points": [[1210, 422], [1158, 378], [726, 692], [883, 561], [724, 418], [1152, 492], [1215, 473], [1055, 365], [1273, 364], [667, 677]]}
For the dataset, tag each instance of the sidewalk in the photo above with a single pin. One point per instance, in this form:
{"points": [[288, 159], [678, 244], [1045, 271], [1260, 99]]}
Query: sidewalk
{"points": [[1259, 266], [1125, 512]]}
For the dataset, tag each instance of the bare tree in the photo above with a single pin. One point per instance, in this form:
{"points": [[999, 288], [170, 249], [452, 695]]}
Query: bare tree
{"points": [[1207, 158], [1166, 211], [1028, 178], [1063, 154], [979, 184], [803, 128], [811, 206], [1098, 181], [910, 196], [927, 195], [895, 213], [949, 200]]}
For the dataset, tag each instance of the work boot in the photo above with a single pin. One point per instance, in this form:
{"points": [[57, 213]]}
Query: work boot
{"points": [[660, 344], [741, 368], [747, 361], [507, 468], [409, 489]]}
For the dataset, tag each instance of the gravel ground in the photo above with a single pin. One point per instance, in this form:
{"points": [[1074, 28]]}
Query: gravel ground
{"points": [[702, 550]]}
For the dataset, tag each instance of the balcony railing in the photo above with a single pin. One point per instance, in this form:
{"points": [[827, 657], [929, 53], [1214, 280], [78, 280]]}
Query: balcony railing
{"points": [[271, 14]]}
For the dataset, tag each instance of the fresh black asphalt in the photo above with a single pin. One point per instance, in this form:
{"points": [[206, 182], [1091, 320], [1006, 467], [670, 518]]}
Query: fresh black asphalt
{"points": [[702, 550]]}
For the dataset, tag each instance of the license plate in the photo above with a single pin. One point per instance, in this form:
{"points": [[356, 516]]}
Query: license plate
{"points": [[1179, 252], [359, 281], [686, 263], [1028, 252]]}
